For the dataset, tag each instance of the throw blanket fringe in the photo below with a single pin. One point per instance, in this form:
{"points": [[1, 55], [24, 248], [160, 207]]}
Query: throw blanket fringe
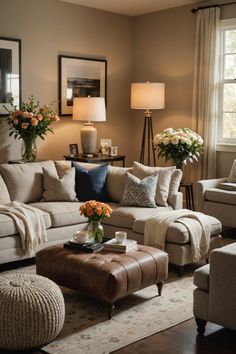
{"points": [[156, 227], [29, 222]]}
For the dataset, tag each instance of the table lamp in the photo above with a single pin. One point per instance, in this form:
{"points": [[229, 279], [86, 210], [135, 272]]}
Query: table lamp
{"points": [[89, 109], [148, 95]]}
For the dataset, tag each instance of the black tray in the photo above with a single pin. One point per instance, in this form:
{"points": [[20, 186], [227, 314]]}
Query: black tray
{"points": [[88, 248]]}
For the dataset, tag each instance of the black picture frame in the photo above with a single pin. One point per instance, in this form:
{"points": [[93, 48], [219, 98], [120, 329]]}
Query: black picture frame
{"points": [[74, 150], [10, 74], [80, 77]]}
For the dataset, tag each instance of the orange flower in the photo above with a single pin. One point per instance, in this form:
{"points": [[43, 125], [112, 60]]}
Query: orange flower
{"points": [[15, 121], [34, 122], [39, 117], [24, 125]]}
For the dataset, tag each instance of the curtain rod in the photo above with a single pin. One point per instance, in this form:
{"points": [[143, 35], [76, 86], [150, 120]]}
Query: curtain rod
{"points": [[210, 6]]}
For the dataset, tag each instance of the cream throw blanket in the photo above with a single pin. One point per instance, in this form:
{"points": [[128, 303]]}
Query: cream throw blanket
{"points": [[29, 222], [156, 227]]}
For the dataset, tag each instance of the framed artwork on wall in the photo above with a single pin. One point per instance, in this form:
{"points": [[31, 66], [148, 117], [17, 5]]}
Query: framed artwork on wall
{"points": [[80, 77], [10, 74]]}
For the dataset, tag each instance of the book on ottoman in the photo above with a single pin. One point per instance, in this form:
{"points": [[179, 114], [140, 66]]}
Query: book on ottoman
{"points": [[85, 247], [114, 246]]}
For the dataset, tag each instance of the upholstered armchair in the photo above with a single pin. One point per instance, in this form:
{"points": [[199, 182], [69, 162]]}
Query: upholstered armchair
{"points": [[215, 295], [220, 203]]}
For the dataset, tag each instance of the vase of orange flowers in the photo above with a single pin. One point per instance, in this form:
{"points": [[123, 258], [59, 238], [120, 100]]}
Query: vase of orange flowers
{"points": [[30, 122], [95, 211]]}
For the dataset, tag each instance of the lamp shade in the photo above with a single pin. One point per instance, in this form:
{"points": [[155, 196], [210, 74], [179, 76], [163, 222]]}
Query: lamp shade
{"points": [[148, 95], [89, 109]]}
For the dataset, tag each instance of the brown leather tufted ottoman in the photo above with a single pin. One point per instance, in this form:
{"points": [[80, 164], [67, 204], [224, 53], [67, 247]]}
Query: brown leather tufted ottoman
{"points": [[108, 276]]}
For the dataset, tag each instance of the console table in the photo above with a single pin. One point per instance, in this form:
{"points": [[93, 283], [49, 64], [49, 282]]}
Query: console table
{"points": [[96, 159]]}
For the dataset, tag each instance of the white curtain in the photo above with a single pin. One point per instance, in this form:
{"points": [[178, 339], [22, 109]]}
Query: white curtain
{"points": [[206, 87]]}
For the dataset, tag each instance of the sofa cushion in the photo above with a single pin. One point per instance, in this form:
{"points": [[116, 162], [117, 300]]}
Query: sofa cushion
{"points": [[62, 166], [25, 181], [227, 185], [201, 277], [174, 186], [8, 226], [221, 196], [59, 189], [116, 180], [139, 192], [163, 183], [177, 232], [62, 213], [4, 195], [91, 184], [125, 216]]}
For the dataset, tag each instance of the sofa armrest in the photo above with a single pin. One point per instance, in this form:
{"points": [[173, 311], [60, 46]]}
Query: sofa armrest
{"points": [[222, 304], [202, 186], [177, 200]]}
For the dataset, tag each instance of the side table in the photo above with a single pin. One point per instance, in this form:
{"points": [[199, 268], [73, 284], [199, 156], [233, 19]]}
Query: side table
{"points": [[189, 194], [96, 159]]}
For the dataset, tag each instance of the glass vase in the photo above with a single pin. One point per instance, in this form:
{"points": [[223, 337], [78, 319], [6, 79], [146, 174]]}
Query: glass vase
{"points": [[29, 150], [96, 231]]}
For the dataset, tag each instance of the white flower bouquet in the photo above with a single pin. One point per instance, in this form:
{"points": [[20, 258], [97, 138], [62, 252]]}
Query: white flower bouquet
{"points": [[179, 145]]}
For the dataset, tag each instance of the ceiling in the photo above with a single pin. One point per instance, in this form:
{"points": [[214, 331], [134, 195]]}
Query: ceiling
{"points": [[131, 7]]}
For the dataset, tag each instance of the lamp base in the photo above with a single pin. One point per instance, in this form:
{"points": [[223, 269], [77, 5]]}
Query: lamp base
{"points": [[88, 136]]}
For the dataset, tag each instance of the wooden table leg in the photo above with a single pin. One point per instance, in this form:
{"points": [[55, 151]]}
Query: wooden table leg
{"points": [[110, 308]]}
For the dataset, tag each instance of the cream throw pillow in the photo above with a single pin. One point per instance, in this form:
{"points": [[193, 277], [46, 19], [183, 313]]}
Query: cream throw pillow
{"points": [[164, 178], [59, 189], [4, 195], [25, 181], [232, 175]]}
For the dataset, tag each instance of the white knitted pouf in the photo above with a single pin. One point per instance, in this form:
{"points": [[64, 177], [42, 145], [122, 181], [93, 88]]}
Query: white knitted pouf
{"points": [[32, 311]]}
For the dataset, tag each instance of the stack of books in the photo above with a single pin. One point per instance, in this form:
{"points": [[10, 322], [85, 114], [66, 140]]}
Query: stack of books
{"points": [[114, 246], [86, 247]]}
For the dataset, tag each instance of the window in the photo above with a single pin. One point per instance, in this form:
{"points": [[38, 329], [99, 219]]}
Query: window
{"points": [[227, 106]]}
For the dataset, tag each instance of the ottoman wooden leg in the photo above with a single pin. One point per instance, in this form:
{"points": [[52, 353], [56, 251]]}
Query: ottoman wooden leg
{"points": [[110, 309], [159, 287], [180, 271], [201, 324]]}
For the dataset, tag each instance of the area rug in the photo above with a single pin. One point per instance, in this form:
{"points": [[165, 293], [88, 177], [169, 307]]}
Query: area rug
{"points": [[87, 329]]}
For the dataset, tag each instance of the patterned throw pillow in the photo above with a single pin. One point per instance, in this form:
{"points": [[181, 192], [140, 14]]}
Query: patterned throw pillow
{"points": [[138, 192], [164, 179]]}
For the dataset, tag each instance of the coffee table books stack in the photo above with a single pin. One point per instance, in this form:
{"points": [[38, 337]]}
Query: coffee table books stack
{"points": [[88, 247], [114, 246]]}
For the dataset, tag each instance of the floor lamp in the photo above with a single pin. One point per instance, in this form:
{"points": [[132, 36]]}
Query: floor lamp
{"points": [[148, 95]]}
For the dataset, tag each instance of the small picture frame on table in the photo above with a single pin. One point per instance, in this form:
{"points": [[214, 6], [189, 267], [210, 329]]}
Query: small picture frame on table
{"points": [[114, 151], [74, 150], [105, 145]]}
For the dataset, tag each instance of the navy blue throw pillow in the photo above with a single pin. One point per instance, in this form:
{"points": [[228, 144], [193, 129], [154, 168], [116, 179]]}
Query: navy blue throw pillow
{"points": [[91, 184]]}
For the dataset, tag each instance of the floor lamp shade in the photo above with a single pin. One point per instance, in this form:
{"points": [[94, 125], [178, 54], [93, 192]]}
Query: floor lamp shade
{"points": [[146, 96], [89, 109]]}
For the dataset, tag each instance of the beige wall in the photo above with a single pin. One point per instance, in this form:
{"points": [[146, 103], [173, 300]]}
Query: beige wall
{"points": [[154, 47], [164, 52], [48, 28]]}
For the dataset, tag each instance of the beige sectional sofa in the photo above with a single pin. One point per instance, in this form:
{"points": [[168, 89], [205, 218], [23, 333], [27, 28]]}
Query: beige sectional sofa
{"points": [[25, 183]]}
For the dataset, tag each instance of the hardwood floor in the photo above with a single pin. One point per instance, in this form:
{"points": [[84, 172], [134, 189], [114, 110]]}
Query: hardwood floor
{"points": [[183, 339]]}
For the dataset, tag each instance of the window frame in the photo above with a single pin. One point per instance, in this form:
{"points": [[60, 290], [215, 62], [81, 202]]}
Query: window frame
{"points": [[224, 144]]}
